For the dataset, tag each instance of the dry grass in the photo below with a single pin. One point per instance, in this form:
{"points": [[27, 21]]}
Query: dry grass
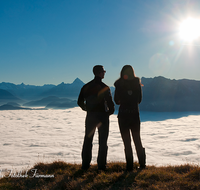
{"points": [[70, 176]]}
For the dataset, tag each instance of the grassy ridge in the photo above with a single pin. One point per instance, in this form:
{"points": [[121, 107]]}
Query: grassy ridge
{"points": [[61, 175]]}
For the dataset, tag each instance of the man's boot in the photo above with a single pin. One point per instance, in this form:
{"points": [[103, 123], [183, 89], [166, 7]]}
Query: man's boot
{"points": [[129, 159]]}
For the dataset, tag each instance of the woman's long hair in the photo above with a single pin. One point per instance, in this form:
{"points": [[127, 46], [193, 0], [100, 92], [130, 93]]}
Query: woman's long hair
{"points": [[127, 72]]}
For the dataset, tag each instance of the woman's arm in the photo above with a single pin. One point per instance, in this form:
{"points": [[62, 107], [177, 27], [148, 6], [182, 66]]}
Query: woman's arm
{"points": [[116, 96], [140, 94]]}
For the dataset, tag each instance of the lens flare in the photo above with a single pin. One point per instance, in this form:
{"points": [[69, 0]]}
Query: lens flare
{"points": [[159, 64]]}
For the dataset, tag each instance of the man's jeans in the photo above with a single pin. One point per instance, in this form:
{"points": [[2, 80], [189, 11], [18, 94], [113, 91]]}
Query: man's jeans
{"points": [[101, 122]]}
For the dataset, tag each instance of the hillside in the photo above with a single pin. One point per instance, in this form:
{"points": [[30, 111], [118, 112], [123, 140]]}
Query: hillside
{"points": [[12, 107], [6, 96], [61, 175], [52, 102]]}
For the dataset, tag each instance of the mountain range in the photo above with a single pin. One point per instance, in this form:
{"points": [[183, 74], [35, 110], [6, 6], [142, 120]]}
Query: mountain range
{"points": [[32, 92], [159, 94], [49, 96]]}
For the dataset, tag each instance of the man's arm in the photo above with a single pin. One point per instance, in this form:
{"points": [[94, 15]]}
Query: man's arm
{"points": [[81, 100], [110, 102]]}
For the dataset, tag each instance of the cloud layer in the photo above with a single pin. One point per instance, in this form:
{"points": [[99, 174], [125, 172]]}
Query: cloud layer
{"points": [[31, 136]]}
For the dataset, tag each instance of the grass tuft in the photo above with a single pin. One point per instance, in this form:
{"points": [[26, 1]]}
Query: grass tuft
{"points": [[67, 176]]}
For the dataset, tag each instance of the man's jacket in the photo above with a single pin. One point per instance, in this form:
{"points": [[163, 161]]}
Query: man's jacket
{"points": [[95, 96]]}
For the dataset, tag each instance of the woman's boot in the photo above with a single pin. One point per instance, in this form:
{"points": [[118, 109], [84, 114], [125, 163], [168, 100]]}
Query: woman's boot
{"points": [[142, 159]]}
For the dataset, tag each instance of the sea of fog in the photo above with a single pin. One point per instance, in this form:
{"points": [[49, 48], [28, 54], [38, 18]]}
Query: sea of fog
{"points": [[31, 136]]}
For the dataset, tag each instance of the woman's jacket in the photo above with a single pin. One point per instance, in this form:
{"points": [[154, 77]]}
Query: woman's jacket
{"points": [[128, 94]]}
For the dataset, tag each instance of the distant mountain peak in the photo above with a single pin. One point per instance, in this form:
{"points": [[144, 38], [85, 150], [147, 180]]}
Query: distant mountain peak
{"points": [[61, 84], [78, 82]]}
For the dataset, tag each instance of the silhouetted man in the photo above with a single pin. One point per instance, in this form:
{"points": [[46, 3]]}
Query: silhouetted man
{"points": [[95, 98]]}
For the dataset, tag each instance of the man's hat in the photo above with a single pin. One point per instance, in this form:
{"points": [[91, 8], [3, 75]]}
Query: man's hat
{"points": [[98, 69]]}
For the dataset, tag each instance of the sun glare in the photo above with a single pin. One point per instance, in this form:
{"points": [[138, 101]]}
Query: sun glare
{"points": [[190, 29]]}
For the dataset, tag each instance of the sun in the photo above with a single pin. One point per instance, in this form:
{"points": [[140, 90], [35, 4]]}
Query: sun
{"points": [[190, 29]]}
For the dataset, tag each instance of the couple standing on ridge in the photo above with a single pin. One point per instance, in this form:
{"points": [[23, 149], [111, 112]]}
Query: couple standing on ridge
{"points": [[95, 98]]}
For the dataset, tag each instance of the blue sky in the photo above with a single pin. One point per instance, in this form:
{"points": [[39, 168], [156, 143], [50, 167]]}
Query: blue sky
{"points": [[49, 42]]}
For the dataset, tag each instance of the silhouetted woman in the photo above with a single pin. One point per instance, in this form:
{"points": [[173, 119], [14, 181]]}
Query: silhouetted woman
{"points": [[128, 94]]}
